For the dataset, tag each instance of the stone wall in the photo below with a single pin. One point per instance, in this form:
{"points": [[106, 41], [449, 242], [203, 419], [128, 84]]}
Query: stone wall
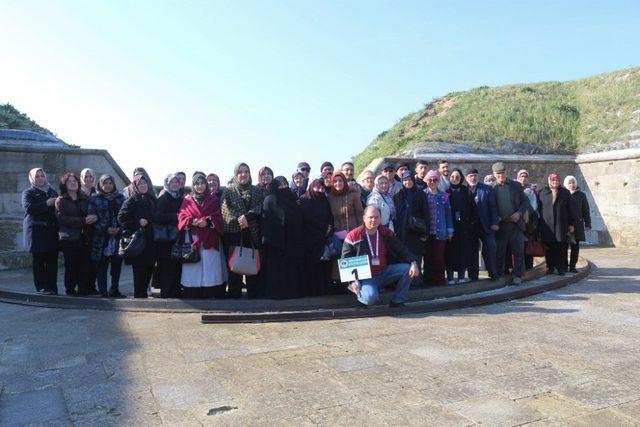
{"points": [[611, 181], [15, 163]]}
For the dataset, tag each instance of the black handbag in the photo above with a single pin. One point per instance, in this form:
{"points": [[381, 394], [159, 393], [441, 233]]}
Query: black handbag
{"points": [[183, 251], [68, 234], [417, 225], [165, 232], [132, 244]]}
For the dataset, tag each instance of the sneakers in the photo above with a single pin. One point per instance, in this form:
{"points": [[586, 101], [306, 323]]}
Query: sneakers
{"points": [[452, 282], [47, 292], [464, 280]]}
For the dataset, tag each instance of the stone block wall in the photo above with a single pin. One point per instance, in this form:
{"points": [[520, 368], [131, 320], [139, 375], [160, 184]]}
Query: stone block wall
{"points": [[611, 181]]}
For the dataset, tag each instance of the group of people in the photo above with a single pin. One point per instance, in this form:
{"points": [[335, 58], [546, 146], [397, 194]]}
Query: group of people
{"points": [[419, 227]]}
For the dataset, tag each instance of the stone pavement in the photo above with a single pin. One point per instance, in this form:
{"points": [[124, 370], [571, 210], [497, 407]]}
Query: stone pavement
{"points": [[569, 357]]}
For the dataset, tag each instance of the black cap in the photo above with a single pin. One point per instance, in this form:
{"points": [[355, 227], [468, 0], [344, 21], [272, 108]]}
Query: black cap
{"points": [[387, 165], [326, 164], [303, 165], [406, 165], [472, 170]]}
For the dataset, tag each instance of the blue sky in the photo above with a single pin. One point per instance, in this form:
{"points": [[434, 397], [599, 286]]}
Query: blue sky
{"points": [[202, 85]]}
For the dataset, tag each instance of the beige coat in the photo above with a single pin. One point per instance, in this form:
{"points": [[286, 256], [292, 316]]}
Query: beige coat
{"points": [[347, 211]]}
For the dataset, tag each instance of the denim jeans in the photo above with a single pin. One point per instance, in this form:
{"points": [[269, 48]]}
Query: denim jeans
{"points": [[393, 273]]}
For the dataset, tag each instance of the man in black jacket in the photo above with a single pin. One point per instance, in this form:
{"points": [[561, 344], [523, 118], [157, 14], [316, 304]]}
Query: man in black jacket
{"points": [[512, 204], [391, 262]]}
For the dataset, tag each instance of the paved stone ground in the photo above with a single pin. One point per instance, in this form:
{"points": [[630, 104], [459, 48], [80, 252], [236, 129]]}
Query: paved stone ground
{"points": [[567, 357]]}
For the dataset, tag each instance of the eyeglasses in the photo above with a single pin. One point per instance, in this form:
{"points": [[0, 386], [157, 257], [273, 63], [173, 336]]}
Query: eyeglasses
{"points": [[432, 180], [305, 169]]}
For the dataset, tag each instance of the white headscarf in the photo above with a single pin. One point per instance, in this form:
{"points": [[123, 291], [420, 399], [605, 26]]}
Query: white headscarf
{"points": [[87, 190], [32, 179], [567, 179]]}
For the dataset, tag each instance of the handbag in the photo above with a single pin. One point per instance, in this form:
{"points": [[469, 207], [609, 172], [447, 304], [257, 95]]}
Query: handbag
{"points": [[184, 251], [69, 234], [165, 232], [132, 245], [332, 248], [244, 261], [417, 225], [534, 248]]}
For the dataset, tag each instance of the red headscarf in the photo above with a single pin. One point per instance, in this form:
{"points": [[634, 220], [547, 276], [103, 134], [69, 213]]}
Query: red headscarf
{"points": [[344, 190]]}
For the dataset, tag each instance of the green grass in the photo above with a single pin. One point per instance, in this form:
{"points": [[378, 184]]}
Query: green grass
{"points": [[577, 116], [11, 118]]}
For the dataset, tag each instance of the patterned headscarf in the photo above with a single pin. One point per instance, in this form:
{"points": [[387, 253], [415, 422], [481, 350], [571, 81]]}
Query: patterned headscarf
{"points": [[199, 178], [167, 181], [137, 178], [100, 187]]}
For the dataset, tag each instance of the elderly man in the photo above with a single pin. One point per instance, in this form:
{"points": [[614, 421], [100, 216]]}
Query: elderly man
{"points": [[382, 246], [512, 204], [485, 205]]}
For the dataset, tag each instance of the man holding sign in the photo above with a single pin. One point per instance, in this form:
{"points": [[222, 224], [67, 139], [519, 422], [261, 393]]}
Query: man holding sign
{"points": [[383, 249]]}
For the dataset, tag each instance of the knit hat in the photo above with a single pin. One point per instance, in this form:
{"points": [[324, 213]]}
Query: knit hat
{"points": [[522, 171]]}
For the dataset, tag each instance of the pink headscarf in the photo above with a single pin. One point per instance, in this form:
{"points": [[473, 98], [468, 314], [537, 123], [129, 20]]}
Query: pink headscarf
{"points": [[432, 174]]}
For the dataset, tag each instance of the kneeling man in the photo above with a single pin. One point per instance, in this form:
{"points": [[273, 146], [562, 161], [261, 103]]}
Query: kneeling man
{"points": [[391, 261]]}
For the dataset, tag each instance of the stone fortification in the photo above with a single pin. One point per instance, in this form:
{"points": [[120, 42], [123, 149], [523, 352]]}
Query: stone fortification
{"points": [[611, 181], [20, 151]]}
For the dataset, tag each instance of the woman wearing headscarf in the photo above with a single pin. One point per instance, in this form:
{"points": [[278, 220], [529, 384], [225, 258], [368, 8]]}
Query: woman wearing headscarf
{"points": [[346, 209], [200, 218], [298, 184], [137, 213], [556, 222], [182, 178], [440, 229], [106, 204], [265, 177], [381, 198], [165, 218], [282, 229], [241, 209], [458, 255], [40, 231], [411, 209], [87, 186], [87, 181], [318, 226], [581, 216], [129, 191], [74, 221], [213, 181]]}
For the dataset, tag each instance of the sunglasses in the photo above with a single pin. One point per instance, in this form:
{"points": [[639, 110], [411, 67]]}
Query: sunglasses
{"points": [[432, 180], [305, 169]]}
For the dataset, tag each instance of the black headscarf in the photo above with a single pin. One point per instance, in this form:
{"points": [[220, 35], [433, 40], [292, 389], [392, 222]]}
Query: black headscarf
{"points": [[456, 187], [310, 194], [285, 196]]}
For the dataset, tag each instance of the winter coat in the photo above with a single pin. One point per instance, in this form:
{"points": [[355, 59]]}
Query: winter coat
{"points": [[166, 213], [40, 226], [107, 213], [133, 209], [71, 215], [411, 204], [581, 215], [486, 207], [385, 207], [233, 206], [555, 218], [443, 219], [347, 210]]}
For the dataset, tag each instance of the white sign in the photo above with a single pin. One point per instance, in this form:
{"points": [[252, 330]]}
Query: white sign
{"points": [[354, 268]]}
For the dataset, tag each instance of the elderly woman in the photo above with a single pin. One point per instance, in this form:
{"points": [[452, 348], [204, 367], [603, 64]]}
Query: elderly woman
{"points": [[298, 184], [556, 222], [440, 230], [165, 226], [283, 242], [241, 209], [137, 213], [581, 216], [318, 226], [40, 231], [129, 191], [381, 198], [200, 218], [366, 185], [106, 204], [74, 221]]}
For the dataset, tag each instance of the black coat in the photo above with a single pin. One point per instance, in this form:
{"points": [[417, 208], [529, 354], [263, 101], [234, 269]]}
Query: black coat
{"points": [[465, 220], [555, 218], [411, 203], [133, 209], [71, 215], [40, 226], [317, 217], [166, 213], [282, 228], [581, 215]]}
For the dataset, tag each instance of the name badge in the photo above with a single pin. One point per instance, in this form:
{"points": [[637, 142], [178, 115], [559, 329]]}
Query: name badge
{"points": [[375, 261]]}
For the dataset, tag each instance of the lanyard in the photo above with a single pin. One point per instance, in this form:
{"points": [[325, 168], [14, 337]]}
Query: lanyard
{"points": [[373, 254]]}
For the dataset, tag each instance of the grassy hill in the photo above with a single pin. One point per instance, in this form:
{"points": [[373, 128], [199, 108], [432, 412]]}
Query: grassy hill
{"points": [[592, 114], [11, 118]]}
